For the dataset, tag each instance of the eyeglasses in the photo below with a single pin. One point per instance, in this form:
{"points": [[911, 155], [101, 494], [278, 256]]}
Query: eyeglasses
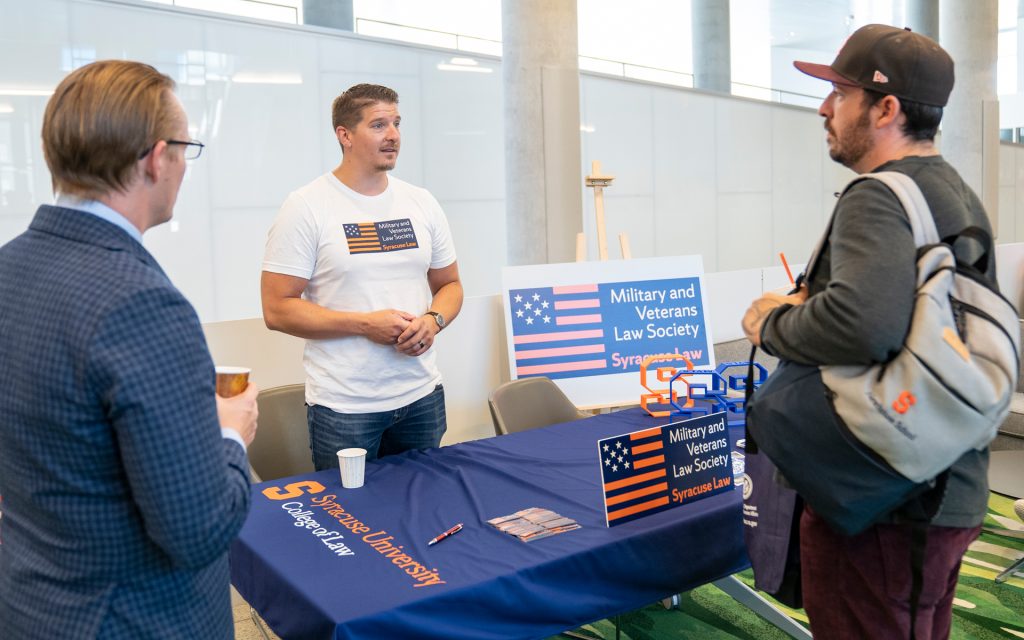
{"points": [[193, 148]]}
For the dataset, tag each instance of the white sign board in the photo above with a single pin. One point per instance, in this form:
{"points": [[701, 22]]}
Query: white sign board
{"points": [[589, 325]]}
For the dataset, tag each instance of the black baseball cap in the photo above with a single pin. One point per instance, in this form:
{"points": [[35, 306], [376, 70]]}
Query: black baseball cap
{"points": [[890, 60]]}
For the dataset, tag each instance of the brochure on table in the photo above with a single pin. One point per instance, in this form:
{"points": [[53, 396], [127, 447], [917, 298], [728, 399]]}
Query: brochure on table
{"points": [[589, 325]]}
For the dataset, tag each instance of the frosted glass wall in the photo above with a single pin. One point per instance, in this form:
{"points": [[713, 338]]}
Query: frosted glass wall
{"points": [[732, 179]]}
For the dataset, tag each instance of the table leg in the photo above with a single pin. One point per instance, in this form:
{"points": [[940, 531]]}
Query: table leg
{"points": [[1002, 577], [749, 598]]}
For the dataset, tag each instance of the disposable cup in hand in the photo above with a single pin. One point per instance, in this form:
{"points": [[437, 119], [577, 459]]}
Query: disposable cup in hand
{"points": [[232, 381], [352, 463]]}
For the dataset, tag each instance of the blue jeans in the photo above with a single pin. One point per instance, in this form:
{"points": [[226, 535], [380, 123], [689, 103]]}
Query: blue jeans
{"points": [[415, 426]]}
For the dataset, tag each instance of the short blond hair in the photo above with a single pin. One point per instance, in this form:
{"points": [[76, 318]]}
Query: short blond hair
{"points": [[100, 120], [347, 109]]}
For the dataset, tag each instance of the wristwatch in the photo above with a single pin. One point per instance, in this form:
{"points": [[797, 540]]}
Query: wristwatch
{"points": [[439, 318]]}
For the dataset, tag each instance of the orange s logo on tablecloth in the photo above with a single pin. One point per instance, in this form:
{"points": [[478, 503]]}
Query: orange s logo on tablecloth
{"points": [[293, 490]]}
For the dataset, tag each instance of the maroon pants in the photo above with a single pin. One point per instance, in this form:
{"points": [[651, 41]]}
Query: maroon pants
{"points": [[859, 586]]}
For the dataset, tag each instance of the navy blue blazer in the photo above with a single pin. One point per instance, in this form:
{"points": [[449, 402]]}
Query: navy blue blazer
{"points": [[120, 497]]}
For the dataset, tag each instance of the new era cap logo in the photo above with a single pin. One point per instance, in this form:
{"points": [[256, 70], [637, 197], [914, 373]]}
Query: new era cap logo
{"points": [[879, 77]]}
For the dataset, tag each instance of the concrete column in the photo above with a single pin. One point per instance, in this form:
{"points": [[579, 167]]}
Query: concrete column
{"points": [[712, 68], [970, 126], [923, 17], [336, 14], [543, 182]]}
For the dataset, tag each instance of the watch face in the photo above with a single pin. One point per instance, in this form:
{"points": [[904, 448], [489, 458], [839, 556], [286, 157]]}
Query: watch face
{"points": [[439, 318]]}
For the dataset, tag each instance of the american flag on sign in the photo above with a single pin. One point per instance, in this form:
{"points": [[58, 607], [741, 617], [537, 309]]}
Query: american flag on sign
{"points": [[362, 237], [634, 474], [558, 331]]}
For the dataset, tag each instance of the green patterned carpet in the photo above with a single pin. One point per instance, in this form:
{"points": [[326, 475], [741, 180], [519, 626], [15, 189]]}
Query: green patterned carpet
{"points": [[983, 610]]}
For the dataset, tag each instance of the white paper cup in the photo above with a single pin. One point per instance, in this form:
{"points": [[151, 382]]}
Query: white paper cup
{"points": [[352, 463]]}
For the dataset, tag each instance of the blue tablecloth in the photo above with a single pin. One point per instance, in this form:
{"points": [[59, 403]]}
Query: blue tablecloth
{"points": [[494, 586]]}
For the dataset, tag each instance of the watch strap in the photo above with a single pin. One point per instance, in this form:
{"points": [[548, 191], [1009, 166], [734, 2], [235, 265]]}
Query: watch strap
{"points": [[437, 318]]}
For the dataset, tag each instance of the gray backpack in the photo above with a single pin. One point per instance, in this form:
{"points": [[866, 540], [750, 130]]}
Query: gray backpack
{"points": [[857, 442]]}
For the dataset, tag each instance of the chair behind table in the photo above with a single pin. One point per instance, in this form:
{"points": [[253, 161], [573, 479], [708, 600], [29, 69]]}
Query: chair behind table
{"points": [[281, 446], [530, 403]]}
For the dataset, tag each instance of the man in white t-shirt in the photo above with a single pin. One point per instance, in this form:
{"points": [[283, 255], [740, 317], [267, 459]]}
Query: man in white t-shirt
{"points": [[362, 265]]}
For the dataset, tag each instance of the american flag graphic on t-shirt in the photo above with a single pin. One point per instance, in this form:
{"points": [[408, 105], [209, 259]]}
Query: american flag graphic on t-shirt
{"points": [[377, 237]]}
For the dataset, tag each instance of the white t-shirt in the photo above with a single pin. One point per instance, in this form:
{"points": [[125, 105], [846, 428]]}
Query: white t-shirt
{"points": [[362, 253]]}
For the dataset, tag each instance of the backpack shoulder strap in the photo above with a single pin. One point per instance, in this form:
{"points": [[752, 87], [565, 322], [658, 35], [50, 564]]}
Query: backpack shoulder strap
{"points": [[923, 224], [909, 194]]}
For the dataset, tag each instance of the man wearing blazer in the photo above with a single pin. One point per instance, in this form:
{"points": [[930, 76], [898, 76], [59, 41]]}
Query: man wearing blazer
{"points": [[124, 479]]}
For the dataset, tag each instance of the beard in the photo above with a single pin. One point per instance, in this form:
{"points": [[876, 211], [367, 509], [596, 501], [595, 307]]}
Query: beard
{"points": [[853, 143], [388, 164]]}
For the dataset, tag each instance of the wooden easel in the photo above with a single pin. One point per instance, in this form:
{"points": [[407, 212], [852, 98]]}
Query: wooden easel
{"points": [[598, 182]]}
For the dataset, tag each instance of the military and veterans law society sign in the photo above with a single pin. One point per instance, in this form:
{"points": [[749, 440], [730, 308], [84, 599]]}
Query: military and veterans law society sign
{"points": [[589, 325], [652, 470]]}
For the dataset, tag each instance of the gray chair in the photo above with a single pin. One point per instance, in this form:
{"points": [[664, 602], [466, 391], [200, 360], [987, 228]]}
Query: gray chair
{"points": [[281, 446], [529, 403]]}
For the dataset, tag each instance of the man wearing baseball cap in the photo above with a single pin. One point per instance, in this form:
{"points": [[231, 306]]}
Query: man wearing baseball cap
{"points": [[889, 86]]}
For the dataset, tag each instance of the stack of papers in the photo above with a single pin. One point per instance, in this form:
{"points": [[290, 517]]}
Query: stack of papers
{"points": [[533, 524]]}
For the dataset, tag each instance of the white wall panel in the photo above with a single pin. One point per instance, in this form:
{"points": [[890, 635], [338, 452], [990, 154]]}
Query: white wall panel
{"points": [[238, 260], [263, 95], [796, 163], [685, 187], [744, 224], [619, 133], [1007, 214], [462, 129], [1018, 199], [621, 115], [634, 216], [34, 56], [183, 247], [743, 136], [478, 231], [24, 179], [366, 57], [1007, 165]]}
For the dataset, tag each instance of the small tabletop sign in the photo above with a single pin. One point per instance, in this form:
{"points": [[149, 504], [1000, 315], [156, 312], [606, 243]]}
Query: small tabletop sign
{"points": [[648, 471]]}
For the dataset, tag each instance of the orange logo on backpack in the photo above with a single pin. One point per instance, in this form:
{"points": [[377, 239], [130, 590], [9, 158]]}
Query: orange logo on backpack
{"points": [[904, 402]]}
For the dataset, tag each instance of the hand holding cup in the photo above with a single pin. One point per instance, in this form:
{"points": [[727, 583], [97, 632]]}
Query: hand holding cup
{"points": [[236, 402]]}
